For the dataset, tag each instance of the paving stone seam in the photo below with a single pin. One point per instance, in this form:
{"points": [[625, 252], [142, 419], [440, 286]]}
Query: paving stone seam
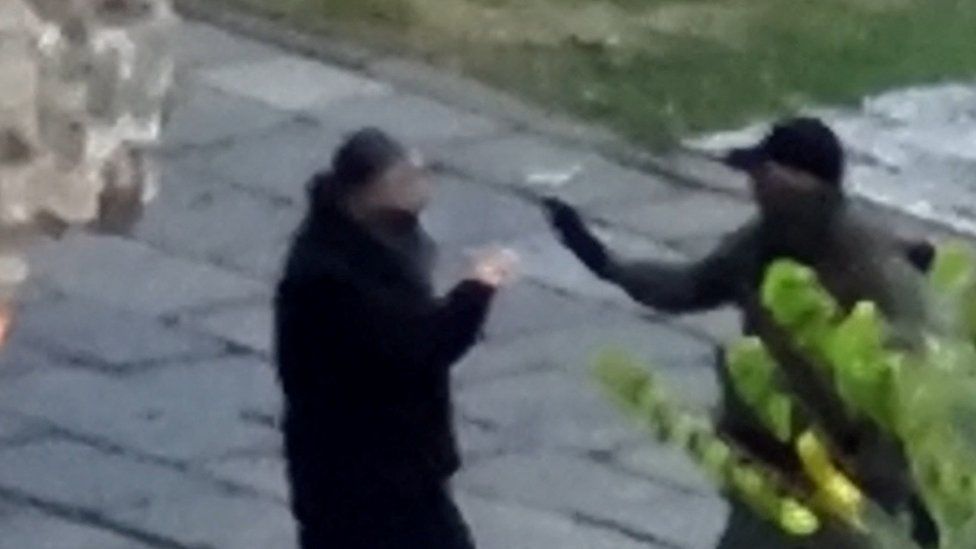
{"points": [[650, 316], [612, 463], [467, 381], [577, 517], [187, 314], [529, 332], [220, 144], [112, 448], [219, 181], [32, 432], [165, 251], [91, 519], [68, 358], [624, 530]]}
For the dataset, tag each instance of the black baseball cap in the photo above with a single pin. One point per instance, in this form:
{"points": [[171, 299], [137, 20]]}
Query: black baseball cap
{"points": [[805, 144]]}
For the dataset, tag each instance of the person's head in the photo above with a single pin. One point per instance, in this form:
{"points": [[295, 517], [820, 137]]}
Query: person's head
{"points": [[375, 177], [804, 146]]}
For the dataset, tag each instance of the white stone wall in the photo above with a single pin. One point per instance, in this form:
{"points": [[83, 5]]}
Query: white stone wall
{"points": [[84, 86]]}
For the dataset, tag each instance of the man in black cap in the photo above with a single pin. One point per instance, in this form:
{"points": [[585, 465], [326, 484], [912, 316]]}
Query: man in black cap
{"points": [[796, 174]]}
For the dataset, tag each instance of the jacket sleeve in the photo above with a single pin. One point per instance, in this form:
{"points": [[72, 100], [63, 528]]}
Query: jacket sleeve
{"points": [[671, 287], [679, 287], [425, 334]]}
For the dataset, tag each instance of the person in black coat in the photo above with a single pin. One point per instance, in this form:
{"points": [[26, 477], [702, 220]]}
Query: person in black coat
{"points": [[364, 351]]}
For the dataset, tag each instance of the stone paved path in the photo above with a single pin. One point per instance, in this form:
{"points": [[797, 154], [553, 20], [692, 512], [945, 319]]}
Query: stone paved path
{"points": [[137, 401]]}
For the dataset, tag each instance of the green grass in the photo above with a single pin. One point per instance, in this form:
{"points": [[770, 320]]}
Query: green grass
{"points": [[656, 69]]}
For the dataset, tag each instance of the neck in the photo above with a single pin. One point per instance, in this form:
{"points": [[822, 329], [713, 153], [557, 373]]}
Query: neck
{"points": [[407, 250], [804, 226]]}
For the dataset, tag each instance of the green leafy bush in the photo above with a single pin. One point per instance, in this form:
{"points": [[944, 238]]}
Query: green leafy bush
{"points": [[922, 397]]}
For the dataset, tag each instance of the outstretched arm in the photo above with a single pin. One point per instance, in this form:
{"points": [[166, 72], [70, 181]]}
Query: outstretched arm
{"points": [[666, 286]]}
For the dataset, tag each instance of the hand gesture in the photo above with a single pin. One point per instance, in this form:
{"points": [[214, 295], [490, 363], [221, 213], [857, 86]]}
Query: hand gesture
{"points": [[573, 233], [563, 218], [495, 267]]}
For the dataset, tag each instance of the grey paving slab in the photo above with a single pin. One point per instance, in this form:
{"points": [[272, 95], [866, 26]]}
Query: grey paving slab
{"points": [[202, 217], [721, 325], [17, 430], [693, 167], [207, 519], [468, 214], [633, 246], [72, 475], [20, 358], [541, 393], [577, 175], [606, 185], [547, 411], [279, 162], [526, 308], [249, 325], [134, 277], [545, 259], [413, 119], [203, 115], [91, 333], [501, 525], [199, 45], [663, 464], [572, 348], [36, 530], [697, 247], [36, 290], [567, 484], [265, 473], [291, 83], [691, 379], [189, 412], [696, 215], [10, 428], [476, 439], [8, 510]]}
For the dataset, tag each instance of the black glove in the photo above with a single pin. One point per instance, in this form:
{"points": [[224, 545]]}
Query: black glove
{"points": [[576, 237]]}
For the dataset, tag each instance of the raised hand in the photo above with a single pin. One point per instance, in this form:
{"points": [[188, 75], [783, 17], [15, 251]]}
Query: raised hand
{"points": [[563, 217], [495, 267], [572, 231]]}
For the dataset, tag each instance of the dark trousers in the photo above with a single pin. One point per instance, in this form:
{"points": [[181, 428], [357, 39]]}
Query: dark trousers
{"points": [[428, 520]]}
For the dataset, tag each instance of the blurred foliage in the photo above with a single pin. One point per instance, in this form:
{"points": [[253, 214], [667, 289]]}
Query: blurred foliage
{"points": [[922, 398]]}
